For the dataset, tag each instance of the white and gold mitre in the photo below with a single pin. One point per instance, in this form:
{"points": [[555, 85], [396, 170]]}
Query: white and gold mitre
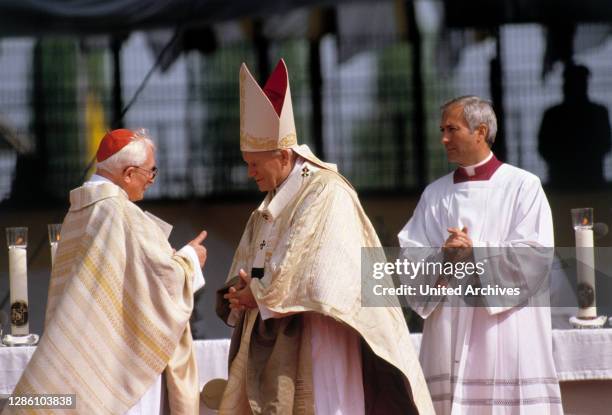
{"points": [[266, 115]]}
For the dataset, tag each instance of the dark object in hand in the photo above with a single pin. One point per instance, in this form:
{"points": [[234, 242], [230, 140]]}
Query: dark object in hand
{"points": [[222, 305]]}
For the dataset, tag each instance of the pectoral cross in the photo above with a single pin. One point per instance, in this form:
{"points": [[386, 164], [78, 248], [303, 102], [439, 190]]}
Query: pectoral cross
{"points": [[262, 244]]}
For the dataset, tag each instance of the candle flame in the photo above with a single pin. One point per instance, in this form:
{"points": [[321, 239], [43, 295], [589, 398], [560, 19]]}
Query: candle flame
{"points": [[57, 237], [19, 241], [585, 221]]}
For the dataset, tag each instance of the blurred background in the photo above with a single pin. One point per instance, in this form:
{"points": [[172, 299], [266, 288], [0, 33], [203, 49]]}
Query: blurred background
{"points": [[367, 80]]}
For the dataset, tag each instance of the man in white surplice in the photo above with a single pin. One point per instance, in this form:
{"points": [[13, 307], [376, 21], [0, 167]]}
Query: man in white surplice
{"points": [[484, 360]]}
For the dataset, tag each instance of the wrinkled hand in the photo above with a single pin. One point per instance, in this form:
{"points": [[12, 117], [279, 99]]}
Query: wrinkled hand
{"points": [[458, 246], [240, 296], [200, 249]]}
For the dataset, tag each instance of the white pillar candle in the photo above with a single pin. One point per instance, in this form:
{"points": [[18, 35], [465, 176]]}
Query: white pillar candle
{"points": [[18, 276], [53, 250], [585, 270]]}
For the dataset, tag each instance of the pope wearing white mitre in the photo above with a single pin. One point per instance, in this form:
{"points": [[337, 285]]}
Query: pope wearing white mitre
{"points": [[302, 341], [494, 359], [120, 298]]}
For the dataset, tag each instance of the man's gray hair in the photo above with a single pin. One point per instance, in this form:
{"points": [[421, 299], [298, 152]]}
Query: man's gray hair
{"points": [[133, 154], [476, 111]]}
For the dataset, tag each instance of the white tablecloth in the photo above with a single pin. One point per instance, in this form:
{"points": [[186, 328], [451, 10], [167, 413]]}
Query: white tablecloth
{"points": [[583, 354], [211, 358], [579, 355], [12, 362]]}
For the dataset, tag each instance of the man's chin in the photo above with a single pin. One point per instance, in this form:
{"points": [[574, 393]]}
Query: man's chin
{"points": [[262, 187], [136, 197]]}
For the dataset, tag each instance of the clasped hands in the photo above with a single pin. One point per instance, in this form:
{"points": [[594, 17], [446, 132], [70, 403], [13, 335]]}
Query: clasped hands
{"points": [[239, 295], [456, 248]]}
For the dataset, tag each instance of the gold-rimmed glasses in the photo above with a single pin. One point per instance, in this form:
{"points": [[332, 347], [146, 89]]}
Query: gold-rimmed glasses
{"points": [[151, 174]]}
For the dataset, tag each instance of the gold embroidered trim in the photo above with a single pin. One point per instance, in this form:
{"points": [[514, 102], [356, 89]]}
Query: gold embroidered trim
{"points": [[251, 143]]}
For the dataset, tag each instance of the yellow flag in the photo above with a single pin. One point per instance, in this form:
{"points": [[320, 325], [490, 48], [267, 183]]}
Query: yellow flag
{"points": [[95, 125]]}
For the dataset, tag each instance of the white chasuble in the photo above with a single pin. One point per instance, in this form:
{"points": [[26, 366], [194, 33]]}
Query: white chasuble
{"points": [[117, 313], [487, 360], [335, 348], [309, 236]]}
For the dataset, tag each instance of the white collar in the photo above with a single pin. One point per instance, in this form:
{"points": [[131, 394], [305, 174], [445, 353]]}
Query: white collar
{"points": [[277, 199], [96, 179], [298, 165], [471, 170]]}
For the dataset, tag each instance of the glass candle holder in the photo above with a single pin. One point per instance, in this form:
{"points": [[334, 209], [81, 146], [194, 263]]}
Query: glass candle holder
{"points": [[54, 230]]}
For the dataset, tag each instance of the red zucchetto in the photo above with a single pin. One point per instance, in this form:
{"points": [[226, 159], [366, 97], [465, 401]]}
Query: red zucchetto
{"points": [[112, 142]]}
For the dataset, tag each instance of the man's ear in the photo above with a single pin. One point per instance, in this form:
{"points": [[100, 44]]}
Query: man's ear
{"points": [[127, 174], [483, 131], [285, 156]]}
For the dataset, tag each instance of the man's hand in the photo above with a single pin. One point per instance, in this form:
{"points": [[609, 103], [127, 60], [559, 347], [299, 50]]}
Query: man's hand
{"points": [[200, 249], [458, 246], [240, 296]]}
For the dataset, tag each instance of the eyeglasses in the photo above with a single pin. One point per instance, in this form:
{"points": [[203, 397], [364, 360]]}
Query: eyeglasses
{"points": [[150, 173]]}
